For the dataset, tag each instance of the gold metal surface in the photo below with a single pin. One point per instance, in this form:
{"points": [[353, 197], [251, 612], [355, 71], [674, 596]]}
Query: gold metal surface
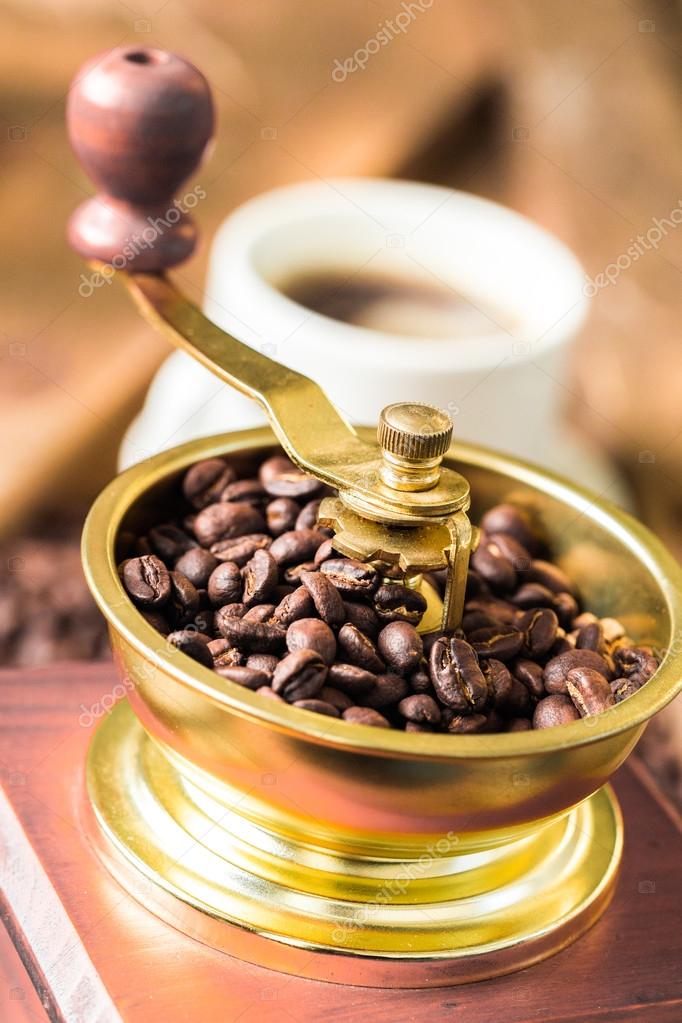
{"points": [[440, 917], [291, 820], [413, 438]]}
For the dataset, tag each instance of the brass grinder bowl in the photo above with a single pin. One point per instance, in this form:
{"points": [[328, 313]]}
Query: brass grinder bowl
{"points": [[356, 854]]}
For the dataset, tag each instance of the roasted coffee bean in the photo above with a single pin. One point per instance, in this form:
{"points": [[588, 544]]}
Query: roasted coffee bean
{"points": [[307, 517], [240, 549], [323, 552], [519, 725], [550, 575], [365, 716], [296, 605], [197, 564], [312, 634], [183, 603], [394, 602], [318, 707], [387, 692], [254, 637], [566, 608], [499, 681], [248, 491], [192, 644], [561, 645], [502, 643], [170, 542], [421, 708], [473, 620], [341, 701], [636, 663], [590, 637], [540, 631], [293, 574], [260, 578], [476, 588], [204, 616], [296, 546], [230, 657], [356, 648], [281, 478], [530, 674], [363, 617], [519, 702], [493, 566], [456, 675], [554, 710], [156, 620], [225, 521], [469, 725], [299, 675], [532, 595], [352, 680], [589, 691], [281, 515], [326, 598], [147, 580], [260, 613], [417, 726], [500, 610], [219, 646], [510, 548], [269, 694], [624, 687], [263, 662], [420, 680], [557, 669], [494, 721], [243, 676], [507, 518], [351, 578], [205, 481], [235, 610], [225, 585], [401, 647]]}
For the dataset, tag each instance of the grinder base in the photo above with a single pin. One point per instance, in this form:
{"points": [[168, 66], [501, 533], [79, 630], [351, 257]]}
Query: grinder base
{"points": [[203, 868]]}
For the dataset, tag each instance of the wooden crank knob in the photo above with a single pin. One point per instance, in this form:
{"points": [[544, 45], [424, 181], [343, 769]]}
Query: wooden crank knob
{"points": [[139, 120]]}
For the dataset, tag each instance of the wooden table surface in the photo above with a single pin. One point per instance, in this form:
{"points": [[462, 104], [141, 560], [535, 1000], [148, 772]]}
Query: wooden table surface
{"points": [[96, 955]]}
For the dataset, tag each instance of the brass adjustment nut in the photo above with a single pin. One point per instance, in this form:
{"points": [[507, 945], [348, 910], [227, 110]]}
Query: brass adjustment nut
{"points": [[413, 437]]}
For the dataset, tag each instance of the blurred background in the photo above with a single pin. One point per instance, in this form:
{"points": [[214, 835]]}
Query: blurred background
{"points": [[568, 111]]}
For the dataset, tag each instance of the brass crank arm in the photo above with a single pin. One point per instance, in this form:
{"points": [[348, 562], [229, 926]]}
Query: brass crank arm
{"points": [[312, 431]]}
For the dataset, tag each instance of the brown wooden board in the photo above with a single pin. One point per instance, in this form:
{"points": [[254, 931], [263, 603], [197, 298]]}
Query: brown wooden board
{"points": [[97, 955]]}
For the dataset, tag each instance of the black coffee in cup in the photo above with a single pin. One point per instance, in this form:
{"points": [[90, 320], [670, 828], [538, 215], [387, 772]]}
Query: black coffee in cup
{"points": [[395, 305]]}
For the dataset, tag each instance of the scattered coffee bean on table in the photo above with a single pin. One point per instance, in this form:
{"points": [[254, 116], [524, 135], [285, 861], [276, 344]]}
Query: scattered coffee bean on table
{"points": [[244, 581]]}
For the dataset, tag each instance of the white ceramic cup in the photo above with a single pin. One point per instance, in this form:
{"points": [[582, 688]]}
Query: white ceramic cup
{"points": [[504, 386]]}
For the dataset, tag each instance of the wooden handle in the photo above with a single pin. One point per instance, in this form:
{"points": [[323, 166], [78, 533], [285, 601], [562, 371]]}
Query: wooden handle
{"points": [[139, 120]]}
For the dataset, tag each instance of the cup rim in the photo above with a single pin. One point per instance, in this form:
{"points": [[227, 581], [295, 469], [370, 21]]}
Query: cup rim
{"points": [[248, 225], [98, 540]]}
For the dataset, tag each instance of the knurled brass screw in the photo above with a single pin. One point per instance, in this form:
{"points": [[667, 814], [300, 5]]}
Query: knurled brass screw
{"points": [[413, 437]]}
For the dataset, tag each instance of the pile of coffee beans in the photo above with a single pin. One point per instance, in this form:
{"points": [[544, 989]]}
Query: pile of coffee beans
{"points": [[243, 581]]}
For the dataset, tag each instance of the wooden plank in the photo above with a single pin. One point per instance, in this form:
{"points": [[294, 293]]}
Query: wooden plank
{"points": [[627, 968]]}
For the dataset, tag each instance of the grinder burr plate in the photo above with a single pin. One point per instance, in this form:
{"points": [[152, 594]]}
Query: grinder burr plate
{"points": [[316, 846]]}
